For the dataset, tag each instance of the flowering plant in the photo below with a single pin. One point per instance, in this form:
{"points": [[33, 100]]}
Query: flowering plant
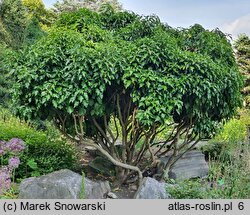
{"points": [[11, 150]]}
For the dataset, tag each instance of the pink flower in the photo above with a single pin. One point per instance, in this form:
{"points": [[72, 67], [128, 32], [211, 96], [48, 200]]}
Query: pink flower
{"points": [[14, 162], [5, 181], [15, 145]]}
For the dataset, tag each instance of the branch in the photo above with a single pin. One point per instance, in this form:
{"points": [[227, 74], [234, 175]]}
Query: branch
{"points": [[179, 128], [113, 150], [190, 148], [188, 141], [170, 161], [107, 128], [169, 148], [73, 139], [81, 120], [75, 123], [164, 144], [141, 152], [116, 128], [101, 130], [128, 108], [119, 111], [150, 141], [115, 162], [62, 120], [170, 138]]}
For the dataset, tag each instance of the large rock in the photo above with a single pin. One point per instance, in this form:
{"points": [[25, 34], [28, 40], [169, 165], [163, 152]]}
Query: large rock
{"points": [[191, 165], [96, 189], [63, 184], [152, 189]]}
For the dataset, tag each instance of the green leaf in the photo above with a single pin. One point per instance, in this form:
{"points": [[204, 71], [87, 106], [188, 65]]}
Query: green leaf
{"points": [[70, 109], [32, 164]]}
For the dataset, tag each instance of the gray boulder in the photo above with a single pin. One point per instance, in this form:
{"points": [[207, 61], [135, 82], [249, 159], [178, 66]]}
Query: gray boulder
{"points": [[152, 189], [96, 189], [62, 184], [191, 165]]}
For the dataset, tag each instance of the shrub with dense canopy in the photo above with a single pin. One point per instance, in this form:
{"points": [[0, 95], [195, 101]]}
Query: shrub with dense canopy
{"points": [[141, 75]]}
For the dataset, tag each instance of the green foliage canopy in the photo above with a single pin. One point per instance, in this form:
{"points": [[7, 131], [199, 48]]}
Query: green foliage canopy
{"points": [[86, 58]]}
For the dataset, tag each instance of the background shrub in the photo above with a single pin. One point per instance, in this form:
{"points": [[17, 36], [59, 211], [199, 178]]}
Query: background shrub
{"points": [[230, 139], [43, 154]]}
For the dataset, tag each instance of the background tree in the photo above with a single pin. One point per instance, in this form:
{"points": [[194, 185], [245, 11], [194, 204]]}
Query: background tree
{"points": [[133, 71], [13, 20], [242, 45], [5, 79], [38, 13], [4, 35], [13, 23], [74, 5], [21, 24], [35, 7]]}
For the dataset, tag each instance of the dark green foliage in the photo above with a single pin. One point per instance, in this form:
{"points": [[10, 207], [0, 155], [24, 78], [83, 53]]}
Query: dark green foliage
{"points": [[211, 43], [49, 156], [64, 48], [198, 83], [33, 32]]}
